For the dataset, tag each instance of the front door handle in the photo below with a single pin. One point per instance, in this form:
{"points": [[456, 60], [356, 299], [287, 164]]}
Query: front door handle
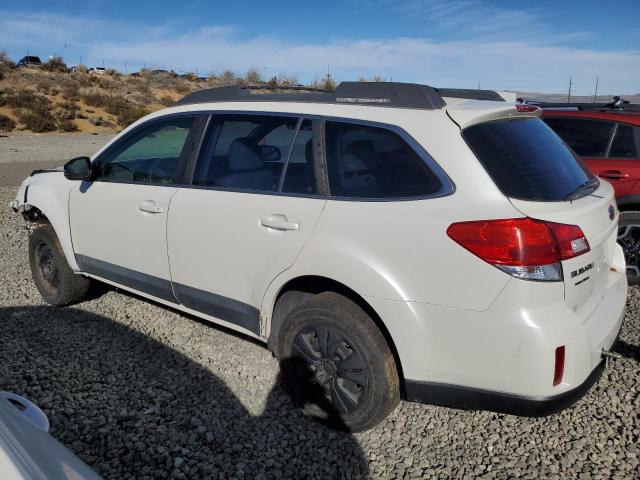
{"points": [[149, 206], [279, 222], [613, 174]]}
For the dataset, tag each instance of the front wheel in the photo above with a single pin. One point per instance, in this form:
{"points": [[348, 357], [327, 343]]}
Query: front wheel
{"points": [[51, 273], [337, 364], [629, 240]]}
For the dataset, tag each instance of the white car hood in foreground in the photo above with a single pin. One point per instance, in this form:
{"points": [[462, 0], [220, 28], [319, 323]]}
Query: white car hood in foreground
{"points": [[30, 453]]}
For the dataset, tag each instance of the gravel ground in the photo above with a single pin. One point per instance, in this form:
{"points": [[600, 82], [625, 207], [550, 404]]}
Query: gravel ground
{"points": [[20, 153], [140, 391]]}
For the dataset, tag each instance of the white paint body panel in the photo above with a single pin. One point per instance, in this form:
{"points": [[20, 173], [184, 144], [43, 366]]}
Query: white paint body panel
{"points": [[217, 244], [107, 224]]}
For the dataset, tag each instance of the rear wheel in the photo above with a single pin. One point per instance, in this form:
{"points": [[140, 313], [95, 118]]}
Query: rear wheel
{"points": [[629, 240], [337, 364], [51, 273]]}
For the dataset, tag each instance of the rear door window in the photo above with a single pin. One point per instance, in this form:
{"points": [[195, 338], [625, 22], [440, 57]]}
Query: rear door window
{"points": [[299, 174], [371, 162], [624, 144], [588, 138], [245, 152], [526, 159]]}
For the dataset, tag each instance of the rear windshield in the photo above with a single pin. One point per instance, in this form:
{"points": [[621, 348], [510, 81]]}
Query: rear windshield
{"points": [[526, 159]]}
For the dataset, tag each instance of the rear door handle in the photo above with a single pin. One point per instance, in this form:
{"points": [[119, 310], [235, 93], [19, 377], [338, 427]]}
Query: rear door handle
{"points": [[613, 174], [149, 206], [279, 222]]}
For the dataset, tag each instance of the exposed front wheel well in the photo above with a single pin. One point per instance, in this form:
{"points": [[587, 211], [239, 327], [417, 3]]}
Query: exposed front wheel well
{"points": [[33, 214], [300, 289]]}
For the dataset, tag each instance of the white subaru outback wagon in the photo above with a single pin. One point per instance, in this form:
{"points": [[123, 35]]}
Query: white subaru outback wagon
{"points": [[385, 240]]}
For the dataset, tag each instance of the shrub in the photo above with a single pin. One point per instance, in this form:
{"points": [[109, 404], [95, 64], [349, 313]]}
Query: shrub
{"points": [[55, 64], [227, 78], [5, 64], [71, 92], [66, 125], [112, 72], [101, 122], [166, 100], [129, 115], [182, 87], [28, 99], [6, 124], [253, 77], [67, 111], [81, 68], [287, 79], [37, 122]]}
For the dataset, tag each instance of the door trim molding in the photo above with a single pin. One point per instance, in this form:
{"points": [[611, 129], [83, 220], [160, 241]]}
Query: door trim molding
{"points": [[212, 304], [158, 287], [219, 306]]}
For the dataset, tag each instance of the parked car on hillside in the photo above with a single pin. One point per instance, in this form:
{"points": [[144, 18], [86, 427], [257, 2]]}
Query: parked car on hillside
{"points": [[385, 239], [97, 70], [606, 137], [29, 61]]}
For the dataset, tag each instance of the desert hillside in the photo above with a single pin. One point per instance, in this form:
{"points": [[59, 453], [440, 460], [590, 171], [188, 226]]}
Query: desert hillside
{"points": [[52, 98]]}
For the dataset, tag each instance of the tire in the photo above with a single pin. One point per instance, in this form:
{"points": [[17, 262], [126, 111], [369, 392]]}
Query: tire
{"points": [[629, 240], [350, 381], [51, 273]]}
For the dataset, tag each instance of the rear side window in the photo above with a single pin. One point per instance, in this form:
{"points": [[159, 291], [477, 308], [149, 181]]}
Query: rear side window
{"points": [[588, 138], [526, 159], [375, 163], [624, 145]]}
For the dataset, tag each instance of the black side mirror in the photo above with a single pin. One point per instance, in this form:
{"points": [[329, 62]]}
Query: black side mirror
{"points": [[78, 168]]}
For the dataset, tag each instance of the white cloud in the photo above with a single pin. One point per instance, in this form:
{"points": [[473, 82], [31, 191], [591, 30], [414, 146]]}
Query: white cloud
{"points": [[495, 63]]}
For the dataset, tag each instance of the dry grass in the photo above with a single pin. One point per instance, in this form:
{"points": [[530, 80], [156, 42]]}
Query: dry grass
{"points": [[50, 98]]}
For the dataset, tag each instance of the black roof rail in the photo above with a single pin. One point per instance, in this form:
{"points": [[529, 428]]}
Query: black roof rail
{"points": [[618, 104], [471, 94], [390, 94]]}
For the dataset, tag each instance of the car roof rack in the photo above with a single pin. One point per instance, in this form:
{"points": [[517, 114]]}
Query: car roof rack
{"points": [[617, 105], [388, 94], [471, 94]]}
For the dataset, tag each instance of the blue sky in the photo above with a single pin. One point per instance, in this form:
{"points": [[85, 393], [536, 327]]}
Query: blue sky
{"points": [[535, 46]]}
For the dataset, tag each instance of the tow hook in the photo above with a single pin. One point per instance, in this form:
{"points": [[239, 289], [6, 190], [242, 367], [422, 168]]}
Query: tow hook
{"points": [[607, 354]]}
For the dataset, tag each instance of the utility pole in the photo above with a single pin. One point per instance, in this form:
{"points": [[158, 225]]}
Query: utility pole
{"points": [[125, 68], [595, 95], [569, 94], [478, 85]]}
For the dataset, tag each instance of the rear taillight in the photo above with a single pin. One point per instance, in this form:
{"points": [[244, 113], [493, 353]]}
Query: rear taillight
{"points": [[523, 247], [523, 108]]}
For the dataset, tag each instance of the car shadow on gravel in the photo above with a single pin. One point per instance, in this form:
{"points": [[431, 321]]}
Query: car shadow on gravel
{"points": [[627, 350], [131, 406]]}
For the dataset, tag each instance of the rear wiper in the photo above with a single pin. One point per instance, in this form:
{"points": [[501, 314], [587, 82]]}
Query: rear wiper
{"points": [[580, 191]]}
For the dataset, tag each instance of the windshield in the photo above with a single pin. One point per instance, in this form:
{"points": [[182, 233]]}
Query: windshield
{"points": [[528, 161]]}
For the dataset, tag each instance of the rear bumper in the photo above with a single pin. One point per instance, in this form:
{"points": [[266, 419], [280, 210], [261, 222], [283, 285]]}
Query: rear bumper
{"points": [[503, 358], [477, 399]]}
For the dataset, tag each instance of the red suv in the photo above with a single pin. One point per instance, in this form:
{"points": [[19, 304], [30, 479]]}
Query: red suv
{"points": [[607, 138]]}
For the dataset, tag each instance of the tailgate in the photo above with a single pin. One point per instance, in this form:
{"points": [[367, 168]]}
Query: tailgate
{"points": [[585, 276]]}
